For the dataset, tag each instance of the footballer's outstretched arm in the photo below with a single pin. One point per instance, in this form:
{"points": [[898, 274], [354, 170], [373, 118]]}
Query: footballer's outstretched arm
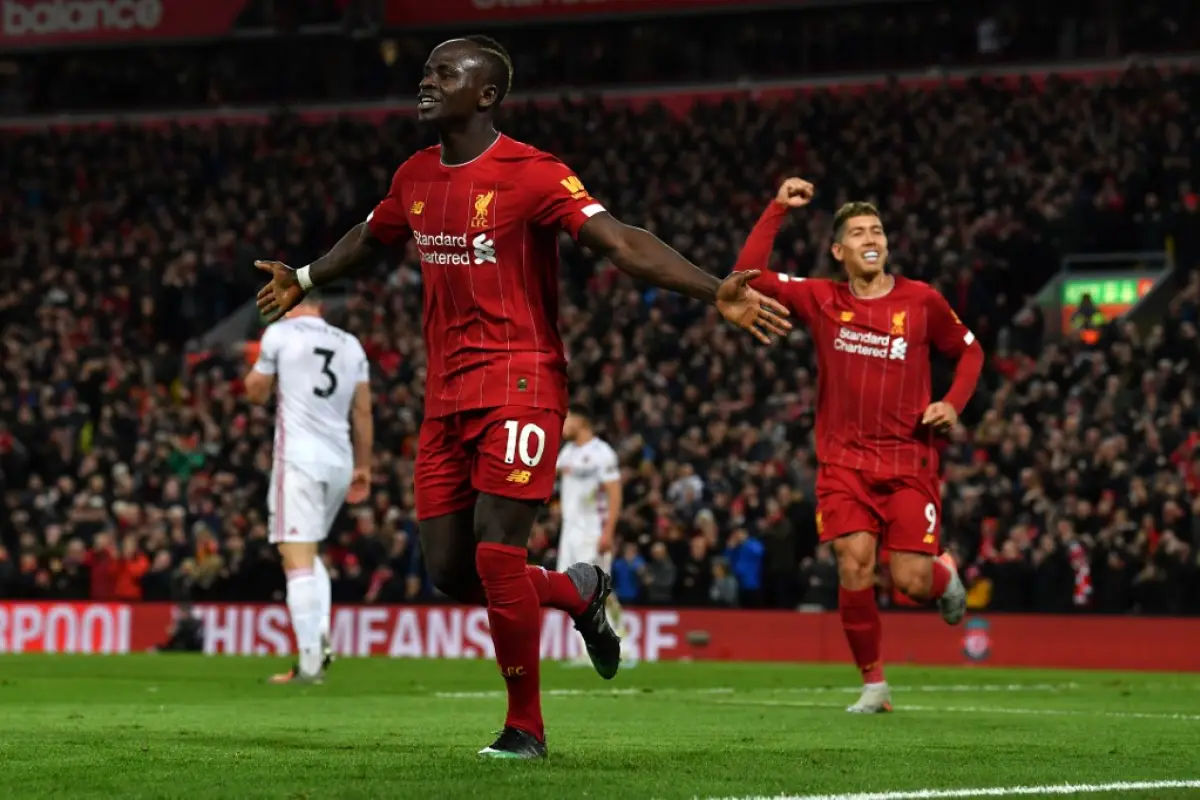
{"points": [[384, 227], [352, 252], [288, 286], [643, 255]]}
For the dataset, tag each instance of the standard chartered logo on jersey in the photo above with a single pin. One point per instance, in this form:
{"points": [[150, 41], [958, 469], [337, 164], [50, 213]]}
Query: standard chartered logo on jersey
{"points": [[872, 345], [448, 249]]}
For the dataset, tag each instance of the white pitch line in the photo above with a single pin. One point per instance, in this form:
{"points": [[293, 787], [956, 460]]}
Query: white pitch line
{"points": [[965, 688], [935, 688], [1031, 712], [992, 791]]}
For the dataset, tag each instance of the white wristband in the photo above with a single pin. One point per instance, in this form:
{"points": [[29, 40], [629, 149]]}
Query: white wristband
{"points": [[304, 279]]}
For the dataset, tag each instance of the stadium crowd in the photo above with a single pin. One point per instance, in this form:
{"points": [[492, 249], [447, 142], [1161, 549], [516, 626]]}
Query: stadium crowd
{"points": [[803, 39], [131, 473]]}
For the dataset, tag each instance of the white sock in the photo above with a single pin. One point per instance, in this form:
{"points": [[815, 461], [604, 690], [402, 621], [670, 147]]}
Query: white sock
{"points": [[325, 593], [304, 604]]}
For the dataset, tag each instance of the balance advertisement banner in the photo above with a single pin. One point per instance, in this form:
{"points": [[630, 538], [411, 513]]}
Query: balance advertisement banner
{"points": [[41, 23], [1042, 641], [413, 13]]}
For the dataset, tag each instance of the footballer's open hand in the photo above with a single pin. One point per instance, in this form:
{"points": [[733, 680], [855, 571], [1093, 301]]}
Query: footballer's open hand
{"points": [[940, 416], [795, 193], [282, 294], [750, 309]]}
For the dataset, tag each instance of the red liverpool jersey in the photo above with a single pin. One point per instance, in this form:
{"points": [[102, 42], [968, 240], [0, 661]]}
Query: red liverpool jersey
{"points": [[873, 382], [487, 234]]}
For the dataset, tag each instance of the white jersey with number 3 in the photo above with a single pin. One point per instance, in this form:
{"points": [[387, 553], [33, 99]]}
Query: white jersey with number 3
{"points": [[316, 367]]}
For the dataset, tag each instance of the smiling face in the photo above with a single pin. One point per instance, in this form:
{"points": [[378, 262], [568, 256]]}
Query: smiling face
{"points": [[455, 84], [859, 241]]}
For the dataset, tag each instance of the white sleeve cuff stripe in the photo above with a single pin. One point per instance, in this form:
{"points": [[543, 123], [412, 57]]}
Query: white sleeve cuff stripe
{"points": [[371, 215], [592, 210], [969, 338]]}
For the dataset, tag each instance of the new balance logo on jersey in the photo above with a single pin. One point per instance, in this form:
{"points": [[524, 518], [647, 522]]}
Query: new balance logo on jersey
{"points": [[485, 249], [873, 345], [521, 476]]}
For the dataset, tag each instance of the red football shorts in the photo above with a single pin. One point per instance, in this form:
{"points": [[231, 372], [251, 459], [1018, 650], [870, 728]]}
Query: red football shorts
{"points": [[903, 511], [510, 451]]}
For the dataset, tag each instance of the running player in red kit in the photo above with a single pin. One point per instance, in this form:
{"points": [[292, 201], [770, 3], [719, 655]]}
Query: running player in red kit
{"points": [[877, 479], [485, 212]]}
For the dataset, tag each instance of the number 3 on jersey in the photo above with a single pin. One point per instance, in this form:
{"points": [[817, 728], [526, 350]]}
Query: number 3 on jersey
{"points": [[528, 441], [331, 382]]}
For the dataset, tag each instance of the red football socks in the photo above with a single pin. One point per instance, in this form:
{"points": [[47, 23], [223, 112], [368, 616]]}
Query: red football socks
{"points": [[556, 590], [515, 616], [941, 579], [864, 630]]}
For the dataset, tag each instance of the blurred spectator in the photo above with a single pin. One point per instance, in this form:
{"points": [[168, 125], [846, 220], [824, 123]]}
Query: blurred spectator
{"points": [[724, 590], [627, 574], [696, 574], [744, 554], [659, 576], [819, 578]]}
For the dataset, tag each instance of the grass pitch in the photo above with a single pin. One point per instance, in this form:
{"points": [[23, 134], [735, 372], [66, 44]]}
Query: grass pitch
{"points": [[174, 726]]}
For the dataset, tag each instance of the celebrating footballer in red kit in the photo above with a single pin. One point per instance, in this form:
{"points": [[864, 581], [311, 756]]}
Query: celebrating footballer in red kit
{"points": [[877, 479], [485, 213]]}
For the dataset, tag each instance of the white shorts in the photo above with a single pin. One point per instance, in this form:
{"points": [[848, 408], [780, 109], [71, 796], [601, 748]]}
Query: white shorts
{"points": [[303, 508], [573, 548]]}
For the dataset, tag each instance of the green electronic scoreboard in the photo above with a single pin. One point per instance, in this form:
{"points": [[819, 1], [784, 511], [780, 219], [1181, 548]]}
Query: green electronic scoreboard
{"points": [[1113, 295]]}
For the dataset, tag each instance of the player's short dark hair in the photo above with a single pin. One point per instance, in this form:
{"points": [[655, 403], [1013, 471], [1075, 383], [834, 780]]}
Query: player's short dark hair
{"points": [[581, 411], [857, 208], [500, 65]]}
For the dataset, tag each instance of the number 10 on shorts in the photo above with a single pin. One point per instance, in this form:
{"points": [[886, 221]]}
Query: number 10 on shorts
{"points": [[528, 441]]}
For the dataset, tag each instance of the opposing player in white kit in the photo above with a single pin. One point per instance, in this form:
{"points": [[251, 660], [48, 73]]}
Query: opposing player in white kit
{"points": [[322, 383], [590, 500]]}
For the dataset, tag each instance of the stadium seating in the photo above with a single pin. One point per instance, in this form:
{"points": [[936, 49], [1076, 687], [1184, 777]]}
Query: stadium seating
{"points": [[806, 39], [130, 473]]}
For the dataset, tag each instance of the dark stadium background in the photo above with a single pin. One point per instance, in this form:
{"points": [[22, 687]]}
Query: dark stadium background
{"points": [[1025, 155]]}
